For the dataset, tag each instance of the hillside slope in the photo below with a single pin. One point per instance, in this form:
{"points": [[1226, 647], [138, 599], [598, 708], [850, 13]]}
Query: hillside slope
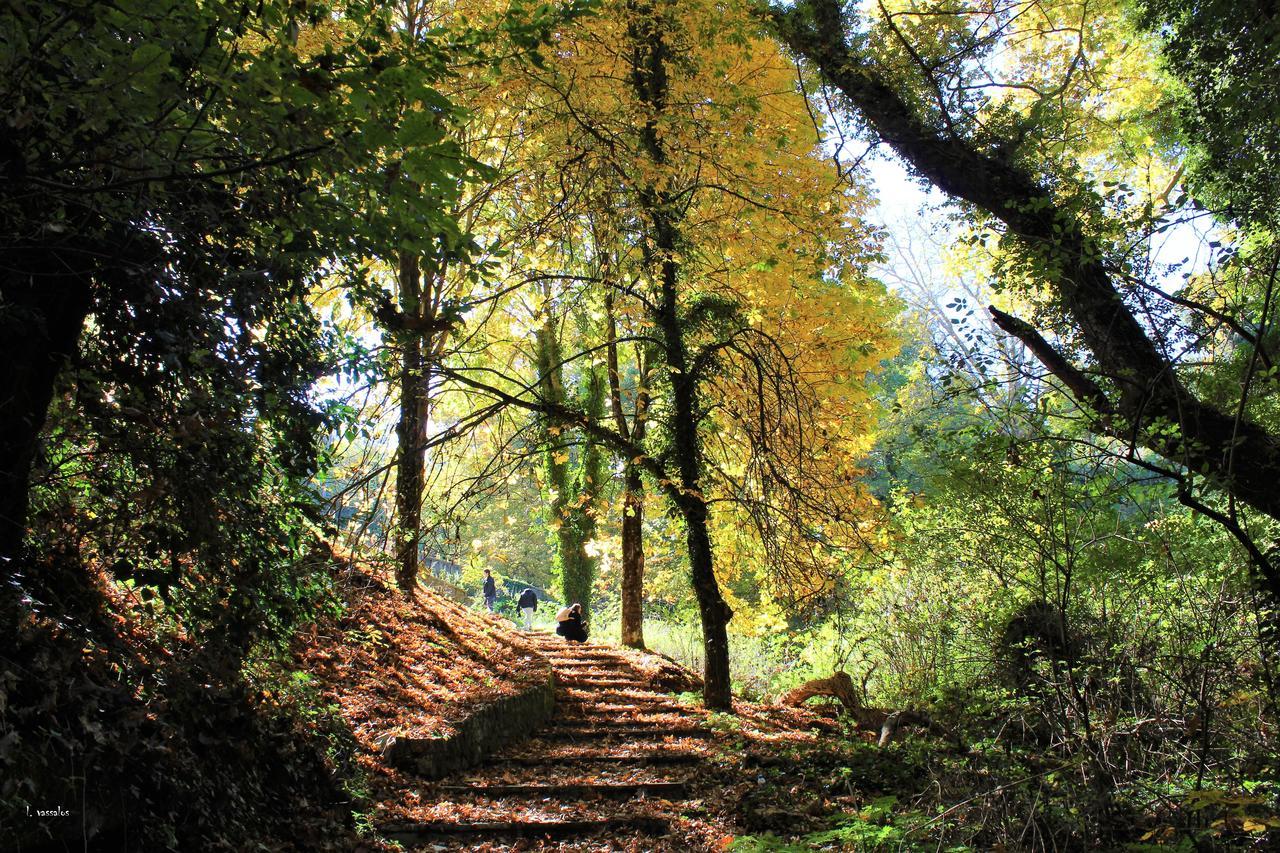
{"points": [[412, 668]]}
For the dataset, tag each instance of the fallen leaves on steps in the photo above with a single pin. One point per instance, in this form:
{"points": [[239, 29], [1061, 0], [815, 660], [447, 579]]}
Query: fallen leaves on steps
{"points": [[577, 791], [622, 766], [418, 833]]}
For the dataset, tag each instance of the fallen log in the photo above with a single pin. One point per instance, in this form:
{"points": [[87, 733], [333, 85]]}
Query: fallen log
{"points": [[883, 720]]}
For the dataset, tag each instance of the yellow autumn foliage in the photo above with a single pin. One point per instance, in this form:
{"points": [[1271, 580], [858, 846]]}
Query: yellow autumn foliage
{"points": [[768, 227]]}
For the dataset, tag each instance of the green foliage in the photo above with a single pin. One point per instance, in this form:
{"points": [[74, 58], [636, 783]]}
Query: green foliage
{"points": [[1223, 55], [875, 827], [185, 161], [501, 528]]}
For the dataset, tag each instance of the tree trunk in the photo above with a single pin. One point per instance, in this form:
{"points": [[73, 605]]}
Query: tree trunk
{"points": [[633, 559], [588, 484], [39, 331], [717, 689], [560, 515], [712, 609], [650, 55], [409, 429], [633, 486]]}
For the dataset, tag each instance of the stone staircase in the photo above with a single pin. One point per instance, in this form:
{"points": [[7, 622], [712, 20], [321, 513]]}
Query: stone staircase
{"points": [[616, 768]]}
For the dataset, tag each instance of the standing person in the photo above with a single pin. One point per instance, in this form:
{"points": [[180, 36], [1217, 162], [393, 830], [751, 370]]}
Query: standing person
{"points": [[490, 590], [571, 627], [528, 603]]}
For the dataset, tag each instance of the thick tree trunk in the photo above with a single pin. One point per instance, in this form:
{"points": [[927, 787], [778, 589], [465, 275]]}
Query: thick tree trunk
{"points": [[551, 390], [409, 430], [41, 315], [588, 484], [650, 56], [717, 690], [687, 454], [712, 609]]}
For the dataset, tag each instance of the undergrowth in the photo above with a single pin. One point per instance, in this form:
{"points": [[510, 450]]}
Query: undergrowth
{"points": [[920, 795]]}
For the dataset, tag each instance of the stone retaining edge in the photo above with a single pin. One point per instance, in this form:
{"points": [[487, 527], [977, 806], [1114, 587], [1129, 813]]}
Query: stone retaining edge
{"points": [[478, 735]]}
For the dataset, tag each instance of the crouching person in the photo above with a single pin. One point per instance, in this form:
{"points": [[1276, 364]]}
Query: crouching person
{"points": [[570, 624]]}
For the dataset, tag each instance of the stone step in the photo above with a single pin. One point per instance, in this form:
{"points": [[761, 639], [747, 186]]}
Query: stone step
{"points": [[645, 759], [565, 660], [558, 658], [580, 682], [601, 679], [576, 693], [555, 641], [575, 790], [577, 714], [594, 709], [412, 833], [613, 691], [589, 732], [614, 774], [572, 721]]}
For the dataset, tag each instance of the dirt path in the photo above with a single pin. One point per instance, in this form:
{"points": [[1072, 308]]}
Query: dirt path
{"points": [[621, 766]]}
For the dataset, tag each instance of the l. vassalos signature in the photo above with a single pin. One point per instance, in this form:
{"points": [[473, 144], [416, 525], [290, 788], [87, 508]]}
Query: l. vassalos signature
{"points": [[57, 811]]}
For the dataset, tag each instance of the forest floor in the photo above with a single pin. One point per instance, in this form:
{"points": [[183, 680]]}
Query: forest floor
{"points": [[623, 764]]}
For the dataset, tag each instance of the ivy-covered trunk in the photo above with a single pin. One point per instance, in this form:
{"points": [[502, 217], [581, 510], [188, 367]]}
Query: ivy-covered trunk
{"points": [[573, 489], [555, 450], [580, 575], [650, 55]]}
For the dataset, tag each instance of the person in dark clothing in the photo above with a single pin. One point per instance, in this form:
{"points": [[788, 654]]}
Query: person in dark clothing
{"points": [[490, 590], [571, 627], [528, 604]]}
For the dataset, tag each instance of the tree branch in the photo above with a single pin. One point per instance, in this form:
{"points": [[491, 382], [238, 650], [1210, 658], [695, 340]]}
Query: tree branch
{"points": [[1084, 389]]}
